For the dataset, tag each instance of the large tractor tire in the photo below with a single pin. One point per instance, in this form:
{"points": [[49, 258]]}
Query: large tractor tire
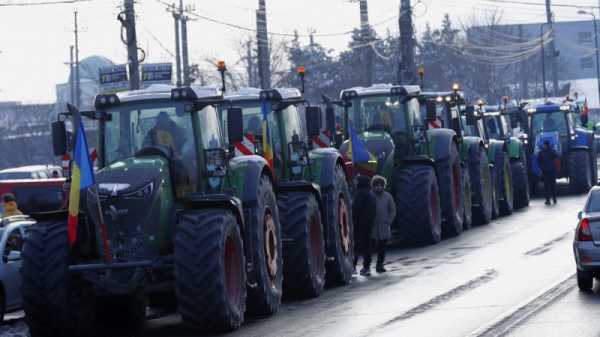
{"points": [[495, 193], [449, 174], [340, 231], [210, 270], [303, 245], [521, 184], [468, 200], [56, 302], [419, 215], [481, 185], [263, 224], [580, 172], [504, 183]]}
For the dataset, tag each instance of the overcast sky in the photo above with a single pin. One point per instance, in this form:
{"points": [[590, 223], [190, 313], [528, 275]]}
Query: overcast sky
{"points": [[35, 40]]}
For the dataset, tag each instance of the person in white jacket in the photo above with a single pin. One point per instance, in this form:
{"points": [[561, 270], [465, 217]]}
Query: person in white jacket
{"points": [[385, 215]]}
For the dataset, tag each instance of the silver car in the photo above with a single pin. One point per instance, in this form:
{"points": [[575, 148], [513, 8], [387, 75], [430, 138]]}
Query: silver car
{"points": [[12, 231]]}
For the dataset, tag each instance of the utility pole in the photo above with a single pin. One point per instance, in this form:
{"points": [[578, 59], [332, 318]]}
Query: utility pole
{"points": [[77, 79], [544, 89], [524, 84], [71, 64], [132, 49], [407, 65], [262, 41], [250, 64], [552, 47], [176, 16], [184, 50], [367, 51]]}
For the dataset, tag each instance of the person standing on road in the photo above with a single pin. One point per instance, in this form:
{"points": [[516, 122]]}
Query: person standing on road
{"points": [[363, 214], [547, 160], [385, 215]]}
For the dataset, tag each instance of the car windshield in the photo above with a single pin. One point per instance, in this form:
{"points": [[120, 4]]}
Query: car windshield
{"points": [[136, 126], [15, 175], [549, 122], [378, 113], [593, 204]]}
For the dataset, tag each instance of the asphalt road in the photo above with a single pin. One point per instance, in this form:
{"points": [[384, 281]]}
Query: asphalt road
{"points": [[490, 281], [513, 277]]}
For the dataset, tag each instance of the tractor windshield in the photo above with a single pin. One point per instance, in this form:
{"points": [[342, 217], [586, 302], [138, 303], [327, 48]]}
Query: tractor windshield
{"points": [[135, 126], [379, 113], [549, 122], [494, 128]]}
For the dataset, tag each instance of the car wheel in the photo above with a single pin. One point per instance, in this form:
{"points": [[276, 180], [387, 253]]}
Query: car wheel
{"points": [[585, 281]]}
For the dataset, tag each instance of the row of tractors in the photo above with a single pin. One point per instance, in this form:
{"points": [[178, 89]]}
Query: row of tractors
{"points": [[218, 205]]}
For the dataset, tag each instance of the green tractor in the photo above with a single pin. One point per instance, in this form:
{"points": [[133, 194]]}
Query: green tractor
{"points": [[443, 111], [422, 165], [312, 187], [497, 151], [499, 129], [187, 227]]}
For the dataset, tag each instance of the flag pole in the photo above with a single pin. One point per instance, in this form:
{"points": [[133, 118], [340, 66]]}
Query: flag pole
{"points": [[103, 228]]}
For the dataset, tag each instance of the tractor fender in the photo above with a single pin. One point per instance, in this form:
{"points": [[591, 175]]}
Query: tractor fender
{"points": [[471, 144], [245, 174], [232, 203], [515, 149], [324, 162], [440, 142]]}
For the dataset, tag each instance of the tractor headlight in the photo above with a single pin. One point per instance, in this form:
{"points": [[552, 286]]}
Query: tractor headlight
{"points": [[141, 193]]}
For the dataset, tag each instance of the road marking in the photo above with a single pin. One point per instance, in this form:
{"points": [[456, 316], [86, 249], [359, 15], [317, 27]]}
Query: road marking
{"points": [[546, 247], [508, 321], [438, 300]]}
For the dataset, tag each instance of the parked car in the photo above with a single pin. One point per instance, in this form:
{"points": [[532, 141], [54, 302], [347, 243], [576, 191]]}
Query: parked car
{"points": [[31, 172], [586, 244], [36, 196], [12, 232]]}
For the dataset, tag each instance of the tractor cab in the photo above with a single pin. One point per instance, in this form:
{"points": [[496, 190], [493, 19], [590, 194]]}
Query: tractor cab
{"points": [[387, 119], [497, 123], [447, 110]]}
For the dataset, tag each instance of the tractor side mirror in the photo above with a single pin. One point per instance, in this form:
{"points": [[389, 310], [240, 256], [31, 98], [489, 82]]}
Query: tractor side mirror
{"points": [[313, 121], [235, 125], [59, 138], [431, 110], [471, 119], [330, 118]]}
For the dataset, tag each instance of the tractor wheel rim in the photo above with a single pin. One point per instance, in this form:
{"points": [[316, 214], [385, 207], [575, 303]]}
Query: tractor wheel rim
{"points": [[271, 254], [343, 224], [233, 268], [456, 185], [316, 244]]}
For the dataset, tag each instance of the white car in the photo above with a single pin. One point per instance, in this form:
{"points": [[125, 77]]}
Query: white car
{"points": [[31, 172], [12, 231]]}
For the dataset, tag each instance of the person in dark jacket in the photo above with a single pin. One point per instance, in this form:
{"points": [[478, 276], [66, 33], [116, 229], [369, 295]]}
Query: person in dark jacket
{"points": [[363, 216], [547, 159]]}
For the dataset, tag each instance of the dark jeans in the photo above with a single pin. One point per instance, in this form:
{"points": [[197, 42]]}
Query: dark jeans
{"points": [[549, 186], [380, 246], [366, 255]]}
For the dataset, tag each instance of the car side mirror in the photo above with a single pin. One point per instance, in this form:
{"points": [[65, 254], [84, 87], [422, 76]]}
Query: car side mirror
{"points": [[13, 256], [580, 215], [59, 138], [235, 125], [431, 110], [471, 119], [313, 121]]}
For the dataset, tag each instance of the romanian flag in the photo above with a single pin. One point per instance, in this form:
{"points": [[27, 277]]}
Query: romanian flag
{"points": [[266, 134], [82, 177], [363, 160]]}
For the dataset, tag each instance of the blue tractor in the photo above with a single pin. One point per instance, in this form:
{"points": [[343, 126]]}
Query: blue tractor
{"points": [[560, 126]]}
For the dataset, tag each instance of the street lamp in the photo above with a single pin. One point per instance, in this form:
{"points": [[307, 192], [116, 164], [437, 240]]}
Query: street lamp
{"points": [[582, 12], [543, 60]]}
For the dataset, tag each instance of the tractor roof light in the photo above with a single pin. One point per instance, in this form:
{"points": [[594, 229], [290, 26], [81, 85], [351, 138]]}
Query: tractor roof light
{"points": [[183, 94], [349, 94], [565, 107], [448, 99], [456, 87], [439, 99], [270, 95], [103, 101], [531, 111]]}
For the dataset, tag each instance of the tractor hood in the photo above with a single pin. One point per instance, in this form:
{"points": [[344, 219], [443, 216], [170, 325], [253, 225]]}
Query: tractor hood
{"points": [[137, 204], [379, 144]]}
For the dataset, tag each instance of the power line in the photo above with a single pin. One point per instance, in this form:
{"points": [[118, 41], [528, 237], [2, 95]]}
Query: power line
{"points": [[40, 3], [516, 2]]}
